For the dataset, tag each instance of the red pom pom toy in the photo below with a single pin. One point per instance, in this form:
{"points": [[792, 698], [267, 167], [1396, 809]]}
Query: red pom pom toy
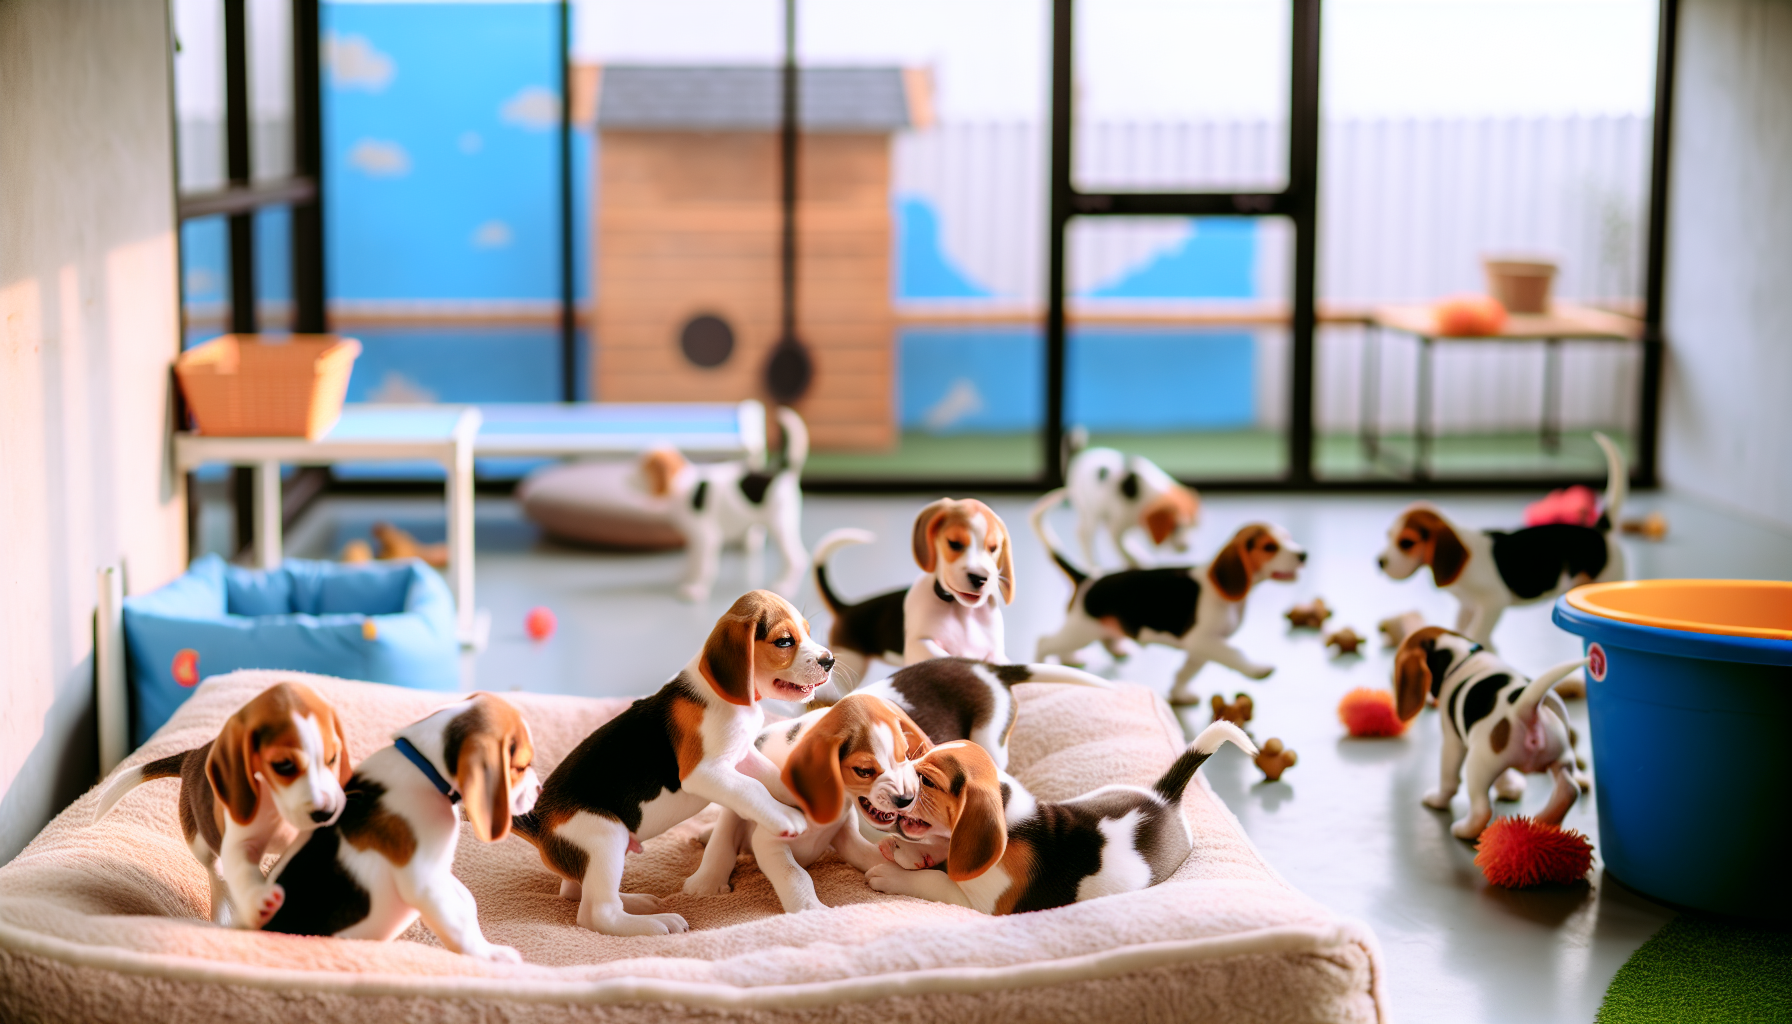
{"points": [[1518, 852], [540, 623], [1367, 712]]}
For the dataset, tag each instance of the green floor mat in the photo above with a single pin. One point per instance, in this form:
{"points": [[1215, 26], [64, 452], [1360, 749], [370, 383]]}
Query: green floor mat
{"points": [[1702, 969]]}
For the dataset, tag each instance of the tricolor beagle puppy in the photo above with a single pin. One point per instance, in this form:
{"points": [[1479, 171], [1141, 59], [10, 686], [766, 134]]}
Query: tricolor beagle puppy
{"points": [[670, 755], [276, 771], [1195, 608], [860, 751], [1113, 840], [1117, 494], [718, 503], [1494, 720], [1489, 571], [390, 857], [951, 610]]}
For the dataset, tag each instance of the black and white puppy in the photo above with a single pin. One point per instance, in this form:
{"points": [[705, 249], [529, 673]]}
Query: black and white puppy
{"points": [[1489, 571], [1112, 840], [1126, 495], [1196, 608], [1495, 721]]}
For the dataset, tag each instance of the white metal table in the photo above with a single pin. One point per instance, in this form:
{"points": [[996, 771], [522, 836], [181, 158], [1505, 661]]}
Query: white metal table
{"points": [[438, 433]]}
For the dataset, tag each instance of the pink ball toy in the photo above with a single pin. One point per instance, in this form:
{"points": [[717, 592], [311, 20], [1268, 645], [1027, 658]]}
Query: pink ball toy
{"points": [[540, 623]]}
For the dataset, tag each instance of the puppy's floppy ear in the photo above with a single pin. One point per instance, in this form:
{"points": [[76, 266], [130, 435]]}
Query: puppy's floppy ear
{"points": [[1228, 573], [980, 835], [230, 767], [812, 772], [1448, 555], [1160, 519], [926, 525], [1004, 558], [474, 745], [917, 741], [727, 661], [1412, 672], [344, 765]]}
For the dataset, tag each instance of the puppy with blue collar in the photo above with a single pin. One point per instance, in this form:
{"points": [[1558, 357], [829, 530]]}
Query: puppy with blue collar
{"points": [[390, 856]]}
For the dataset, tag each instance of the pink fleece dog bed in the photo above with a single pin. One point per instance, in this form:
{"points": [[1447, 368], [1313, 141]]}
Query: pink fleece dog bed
{"points": [[106, 922]]}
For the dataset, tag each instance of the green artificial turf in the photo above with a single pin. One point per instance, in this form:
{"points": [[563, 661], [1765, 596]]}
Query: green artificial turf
{"points": [[1704, 969]]}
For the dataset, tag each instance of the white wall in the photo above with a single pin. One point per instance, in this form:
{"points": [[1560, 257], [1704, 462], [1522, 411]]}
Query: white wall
{"points": [[1727, 408], [88, 326]]}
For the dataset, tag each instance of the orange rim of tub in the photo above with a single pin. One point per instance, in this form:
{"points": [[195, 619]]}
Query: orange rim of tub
{"points": [[1751, 608]]}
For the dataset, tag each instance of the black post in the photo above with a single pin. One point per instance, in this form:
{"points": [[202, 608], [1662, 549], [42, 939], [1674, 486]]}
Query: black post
{"points": [[569, 339], [309, 314], [1303, 188], [1648, 451], [1063, 68], [787, 131], [237, 168]]}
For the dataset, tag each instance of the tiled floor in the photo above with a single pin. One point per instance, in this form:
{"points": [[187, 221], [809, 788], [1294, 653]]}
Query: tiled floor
{"points": [[1345, 825]]}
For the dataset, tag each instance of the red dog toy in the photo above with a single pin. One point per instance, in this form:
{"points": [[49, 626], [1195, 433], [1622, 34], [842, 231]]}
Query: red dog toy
{"points": [[540, 623], [1367, 712], [1469, 316], [1517, 852], [1576, 506]]}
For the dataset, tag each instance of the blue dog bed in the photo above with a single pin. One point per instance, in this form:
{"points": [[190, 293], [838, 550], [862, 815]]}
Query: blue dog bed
{"points": [[389, 622]]}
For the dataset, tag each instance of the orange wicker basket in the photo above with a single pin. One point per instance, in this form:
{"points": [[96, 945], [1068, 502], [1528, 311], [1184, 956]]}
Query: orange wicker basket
{"points": [[245, 385]]}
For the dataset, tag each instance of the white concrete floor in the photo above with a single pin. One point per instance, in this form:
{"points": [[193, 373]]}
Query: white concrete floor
{"points": [[1345, 825]]}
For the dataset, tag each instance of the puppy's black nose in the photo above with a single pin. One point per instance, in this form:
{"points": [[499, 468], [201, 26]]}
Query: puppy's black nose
{"points": [[1303, 558], [902, 801], [1382, 561], [975, 580], [826, 662], [320, 816]]}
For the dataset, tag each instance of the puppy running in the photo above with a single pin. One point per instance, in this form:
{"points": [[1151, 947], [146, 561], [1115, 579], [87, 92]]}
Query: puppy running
{"points": [[391, 855], [1494, 720], [275, 772], [862, 750], [966, 558], [1113, 840], [1195, 608], [670, 755], [1123, 495], [717, 503], [1489, 571]]}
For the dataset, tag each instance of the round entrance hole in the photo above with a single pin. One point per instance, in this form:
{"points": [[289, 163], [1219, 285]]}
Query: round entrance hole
{"points": [[707, 340]]}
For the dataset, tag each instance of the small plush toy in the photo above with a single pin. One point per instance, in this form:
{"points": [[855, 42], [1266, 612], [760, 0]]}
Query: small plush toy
{"points": [[1396, 628], [397, 543], [1517, 852], [1468, 316], [1571, 689], [1653, 526], [1345, 640], [1274, 759], [1311, 615], [1370, 712], [1576, 506], [1238, 712], [356, 552], [540, 623]]}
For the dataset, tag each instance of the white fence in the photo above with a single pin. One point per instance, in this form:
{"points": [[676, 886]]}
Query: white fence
{"points": [[1407, 210]]}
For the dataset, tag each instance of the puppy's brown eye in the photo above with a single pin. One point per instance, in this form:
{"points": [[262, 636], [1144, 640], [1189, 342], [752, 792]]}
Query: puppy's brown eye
{"points": [[1405, 544], [1271, 547], [956, 545], [864, 773], [784, 641], [285, 769], [332, 761], [925, 781]]}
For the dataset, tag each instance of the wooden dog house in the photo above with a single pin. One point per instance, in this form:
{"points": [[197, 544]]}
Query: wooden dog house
{"points": [[688, 233]]}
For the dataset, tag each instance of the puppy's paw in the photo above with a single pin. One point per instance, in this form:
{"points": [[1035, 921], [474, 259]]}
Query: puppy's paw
{"points": [[1509, 785], [904, 855], [1437, 800], [1260, 671], [702, 885], [496, 954], [270, 903], [1466, 829], [787, 822], [886, 878], [640, 902]]}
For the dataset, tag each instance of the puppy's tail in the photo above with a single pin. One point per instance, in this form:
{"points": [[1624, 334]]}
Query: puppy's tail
{"points": [[1041, 672], [796, 439], [1617, 481], [129, 779], [1176, 780], [834, 541], [1532, 695], [1045, 504]]}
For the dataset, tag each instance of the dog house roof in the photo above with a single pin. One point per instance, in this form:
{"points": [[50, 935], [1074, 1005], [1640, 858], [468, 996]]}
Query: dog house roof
{"points": [[750, 99]]}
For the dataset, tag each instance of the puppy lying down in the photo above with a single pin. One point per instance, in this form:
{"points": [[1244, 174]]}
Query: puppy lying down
{"points": [[1036, 855]]}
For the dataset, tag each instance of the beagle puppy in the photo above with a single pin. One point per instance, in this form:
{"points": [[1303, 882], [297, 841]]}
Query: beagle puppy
{"points": [[1123, 496], [1195, 608], [1489, 571], [723, 502], [859, 752], [951, 609], [1115, 839], [1494, 720], [275, 772], [672, 754], [390, 857]]}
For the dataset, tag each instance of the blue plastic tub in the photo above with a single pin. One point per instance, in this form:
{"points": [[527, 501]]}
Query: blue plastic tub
{"points": [[1689, 693]]}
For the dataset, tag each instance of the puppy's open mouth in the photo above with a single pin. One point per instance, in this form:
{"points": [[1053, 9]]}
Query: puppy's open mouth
{"points": [[791, 691], [883, 819], [912, 828]]}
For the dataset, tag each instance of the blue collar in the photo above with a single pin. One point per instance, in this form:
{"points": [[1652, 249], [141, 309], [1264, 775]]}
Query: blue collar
{"points": [[429, 770]]}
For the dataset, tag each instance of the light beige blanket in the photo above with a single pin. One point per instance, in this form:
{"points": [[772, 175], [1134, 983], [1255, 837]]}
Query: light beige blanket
{"points": [[107, 921]]}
